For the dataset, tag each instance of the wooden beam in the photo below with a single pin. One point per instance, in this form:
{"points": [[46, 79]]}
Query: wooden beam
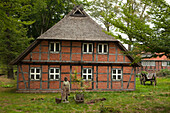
{"points": [[92, 77], [41, 77], [122, 78], [96, 77], [60, 50], [48, 77], [111, 77], [23, 77], [60, 78], [108, 77], [70, 50], [70, 76], [29, 78], [130, 78], [17, 77], [40, 51]]}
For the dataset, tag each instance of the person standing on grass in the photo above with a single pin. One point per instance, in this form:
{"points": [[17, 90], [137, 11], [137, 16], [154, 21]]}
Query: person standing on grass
{"points": [[65, 90]]}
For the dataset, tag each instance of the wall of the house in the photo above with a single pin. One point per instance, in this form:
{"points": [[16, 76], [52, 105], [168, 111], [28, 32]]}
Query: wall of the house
{"points": [[72, 51], [153, 68]]}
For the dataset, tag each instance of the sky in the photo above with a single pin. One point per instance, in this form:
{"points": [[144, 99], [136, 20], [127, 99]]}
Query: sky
{"points": [[168, 1]]}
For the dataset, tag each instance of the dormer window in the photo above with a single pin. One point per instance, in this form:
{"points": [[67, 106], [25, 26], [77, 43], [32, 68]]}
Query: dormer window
{"points": [[87, 48], [55, 47]]}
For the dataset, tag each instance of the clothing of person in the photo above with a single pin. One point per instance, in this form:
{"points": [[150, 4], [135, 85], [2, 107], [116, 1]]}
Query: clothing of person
{"points": [[65, 90]]}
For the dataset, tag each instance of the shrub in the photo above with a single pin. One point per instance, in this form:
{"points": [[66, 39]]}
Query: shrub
{"points": [[163, 73]]}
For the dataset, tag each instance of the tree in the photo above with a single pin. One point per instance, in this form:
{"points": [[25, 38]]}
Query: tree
{"points": [[102, 9], [48, 12], [145, 37], [12, 33], [107, 10]]}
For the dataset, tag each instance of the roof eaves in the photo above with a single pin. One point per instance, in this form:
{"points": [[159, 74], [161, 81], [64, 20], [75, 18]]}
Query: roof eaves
{"points": [[24, 53]]}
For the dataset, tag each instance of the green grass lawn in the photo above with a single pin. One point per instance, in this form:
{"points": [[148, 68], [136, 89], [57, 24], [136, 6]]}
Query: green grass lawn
{"points": [[146, 99]]}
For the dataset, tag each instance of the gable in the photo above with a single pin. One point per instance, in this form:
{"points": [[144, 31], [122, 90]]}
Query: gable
{"points": [[71, 51]]}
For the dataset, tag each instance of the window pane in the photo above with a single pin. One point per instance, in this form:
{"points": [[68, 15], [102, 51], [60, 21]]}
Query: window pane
{"points": [[85, 48], [89, 70], [57, 47], [51, 70], [51, 76], [51, 46], [105, 48], [119, 76], [37, 70], [56, 76], [89, 76], [84, 71], [90, 47], [37, 76], [32, 70], [57, 71], [32, 77], [114, 71], [100, 48], [114, 77], [119, 71], [84, 76]]}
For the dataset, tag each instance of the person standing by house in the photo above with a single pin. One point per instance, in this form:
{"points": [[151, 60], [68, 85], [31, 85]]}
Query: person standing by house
{"points": [[65, 90]]}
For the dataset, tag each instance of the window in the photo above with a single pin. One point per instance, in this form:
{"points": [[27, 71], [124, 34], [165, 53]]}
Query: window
{"points": [[35, 73], [54, 47], [87, 74], [116, 74], [164, 63], [54, 73], [87, 48], [102, 48], [148, 63]]}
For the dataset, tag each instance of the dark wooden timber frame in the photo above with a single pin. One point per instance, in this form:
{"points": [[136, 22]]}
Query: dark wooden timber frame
{"points": [[152, 69], [71, 71], [74, 63]]}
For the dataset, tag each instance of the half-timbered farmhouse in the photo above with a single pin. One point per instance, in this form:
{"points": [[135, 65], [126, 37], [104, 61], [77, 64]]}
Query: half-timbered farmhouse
{"points": [[76, 43], [153, 65]]}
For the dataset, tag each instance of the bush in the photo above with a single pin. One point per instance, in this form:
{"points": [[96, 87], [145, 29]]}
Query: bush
{"points": [[163, 73]]}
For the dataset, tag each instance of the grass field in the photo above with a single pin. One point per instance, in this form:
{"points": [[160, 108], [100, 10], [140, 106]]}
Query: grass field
{"points": [[146, 99]]}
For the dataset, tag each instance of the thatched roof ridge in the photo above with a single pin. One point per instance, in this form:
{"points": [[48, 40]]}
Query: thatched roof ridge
{"points": [[77, 27]]}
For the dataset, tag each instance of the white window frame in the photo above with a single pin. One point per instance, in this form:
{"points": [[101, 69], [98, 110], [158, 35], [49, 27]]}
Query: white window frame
{"points": [[164, 63], [87, 48], [116, 74], [87, 74], [54, 74], [54, 47], [144, 63], [152, 63], [102, 48], [148, 63], [35, 73]]}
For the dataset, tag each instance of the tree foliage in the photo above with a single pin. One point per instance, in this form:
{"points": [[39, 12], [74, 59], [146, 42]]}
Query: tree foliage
{"points": [[101, 9], [145, 33], [13, 39], [48, 12], [21, 19]]}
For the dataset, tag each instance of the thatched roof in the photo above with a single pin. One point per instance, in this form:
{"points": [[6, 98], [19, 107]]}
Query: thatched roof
{"points": [[77, 25]]}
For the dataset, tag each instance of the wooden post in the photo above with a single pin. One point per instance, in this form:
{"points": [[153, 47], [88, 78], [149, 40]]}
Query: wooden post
{"points": [[130, 78]]}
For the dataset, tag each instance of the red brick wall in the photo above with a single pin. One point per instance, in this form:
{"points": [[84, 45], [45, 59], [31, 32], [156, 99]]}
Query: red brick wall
{"points": [[152, 69], [103, 82], [41, 52]]}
